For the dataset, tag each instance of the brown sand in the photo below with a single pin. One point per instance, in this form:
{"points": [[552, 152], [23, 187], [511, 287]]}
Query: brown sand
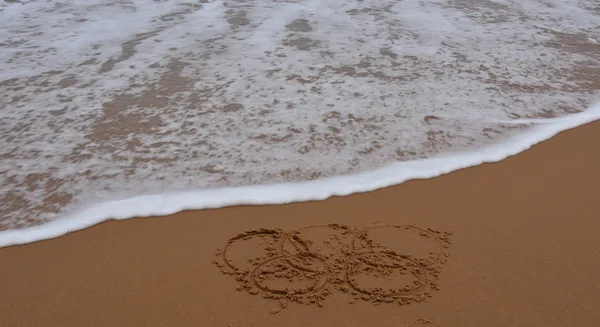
{"points": [[517, 246]]}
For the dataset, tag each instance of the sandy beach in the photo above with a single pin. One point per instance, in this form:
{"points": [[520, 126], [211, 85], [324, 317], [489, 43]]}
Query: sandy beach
{"points": [[117, 109], [518, 248]]}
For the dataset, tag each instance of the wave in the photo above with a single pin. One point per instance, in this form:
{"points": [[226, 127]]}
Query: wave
{"points": [[393, 174]]}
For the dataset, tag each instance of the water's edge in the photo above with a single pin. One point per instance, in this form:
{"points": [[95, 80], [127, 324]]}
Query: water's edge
{"points": [[393, 174]]}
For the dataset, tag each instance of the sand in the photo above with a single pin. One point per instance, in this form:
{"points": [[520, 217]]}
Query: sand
{"points": [[513, 243]]}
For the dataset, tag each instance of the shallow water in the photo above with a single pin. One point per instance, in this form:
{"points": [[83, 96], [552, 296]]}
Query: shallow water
{"points": [[105, 100]]}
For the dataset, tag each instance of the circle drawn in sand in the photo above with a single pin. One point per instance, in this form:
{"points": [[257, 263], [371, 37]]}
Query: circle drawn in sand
{"points": [[279, 267], [269, 246], [406, 234], [329, 242], [372, 263]]}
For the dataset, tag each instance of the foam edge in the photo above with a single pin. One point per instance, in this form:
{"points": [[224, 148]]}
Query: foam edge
{"points": [[393, 174]]}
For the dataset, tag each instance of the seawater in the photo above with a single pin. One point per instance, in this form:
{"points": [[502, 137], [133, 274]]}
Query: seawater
{"points": [[114, 109]]}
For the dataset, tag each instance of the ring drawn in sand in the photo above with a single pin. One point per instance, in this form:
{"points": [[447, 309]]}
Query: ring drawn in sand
{"points": [[264, 234], [280, 268], [386, 263], [328, 242], [404, 233], [372, 263]]}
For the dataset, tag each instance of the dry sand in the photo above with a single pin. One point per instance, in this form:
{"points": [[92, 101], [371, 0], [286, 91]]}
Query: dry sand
{"points": [[508, 244]]}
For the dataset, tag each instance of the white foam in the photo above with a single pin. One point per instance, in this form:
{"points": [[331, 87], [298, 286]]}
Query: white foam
{"points": [[101, 100], [170, 203]]}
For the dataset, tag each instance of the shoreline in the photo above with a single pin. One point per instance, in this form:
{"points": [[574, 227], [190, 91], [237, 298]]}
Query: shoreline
{"points": [[522, 252], [320, 189]]}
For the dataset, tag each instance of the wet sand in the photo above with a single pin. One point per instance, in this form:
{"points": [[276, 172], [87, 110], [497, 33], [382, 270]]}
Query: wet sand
{"points": [[513, 243]]}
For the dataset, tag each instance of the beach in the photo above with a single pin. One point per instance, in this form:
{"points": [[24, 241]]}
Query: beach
{"points": [[299, 163], [520, 250]]}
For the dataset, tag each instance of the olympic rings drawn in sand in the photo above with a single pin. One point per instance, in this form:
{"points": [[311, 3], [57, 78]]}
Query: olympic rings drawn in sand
{"points": [[292, 258]]}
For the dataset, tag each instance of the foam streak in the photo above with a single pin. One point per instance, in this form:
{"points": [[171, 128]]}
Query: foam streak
{"points": [[396, 173]]}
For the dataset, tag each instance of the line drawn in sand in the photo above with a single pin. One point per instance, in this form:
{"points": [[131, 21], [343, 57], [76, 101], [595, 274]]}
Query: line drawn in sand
{"points": [[379, 264], [421, 323]]}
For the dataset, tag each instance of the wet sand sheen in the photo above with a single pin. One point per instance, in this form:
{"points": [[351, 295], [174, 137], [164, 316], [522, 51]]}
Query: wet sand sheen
{"points": [[523, 252]]}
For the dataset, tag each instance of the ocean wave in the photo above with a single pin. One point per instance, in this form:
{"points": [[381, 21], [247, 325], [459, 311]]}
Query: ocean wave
{"points": [[396, 173]]}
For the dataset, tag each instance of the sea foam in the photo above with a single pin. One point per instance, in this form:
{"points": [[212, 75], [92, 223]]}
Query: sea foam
{"points": [[396, 173], [102, 101]]}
